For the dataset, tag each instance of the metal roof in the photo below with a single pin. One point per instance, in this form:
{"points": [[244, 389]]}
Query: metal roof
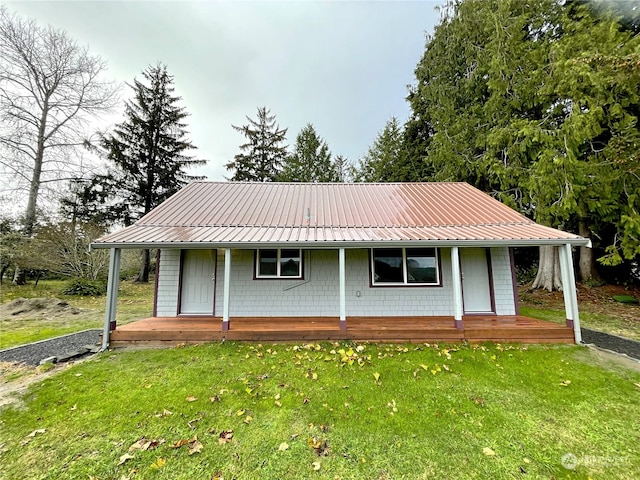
{"points": [[247, 214]]}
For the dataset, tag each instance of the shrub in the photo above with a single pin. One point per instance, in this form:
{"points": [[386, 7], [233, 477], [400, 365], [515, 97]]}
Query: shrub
{"points": [[84, 288]]}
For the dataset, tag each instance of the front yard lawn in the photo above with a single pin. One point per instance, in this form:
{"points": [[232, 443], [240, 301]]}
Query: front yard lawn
{"points": [[135, 301], [330, 411]]}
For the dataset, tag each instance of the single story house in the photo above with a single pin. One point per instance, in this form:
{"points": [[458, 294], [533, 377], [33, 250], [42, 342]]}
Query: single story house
{"points": [[334, 253]]}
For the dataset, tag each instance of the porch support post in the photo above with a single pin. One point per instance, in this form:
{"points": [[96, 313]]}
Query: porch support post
{"points": [[113, 283], [343, 287], [569, 291], [227, 289], [456, 278]]}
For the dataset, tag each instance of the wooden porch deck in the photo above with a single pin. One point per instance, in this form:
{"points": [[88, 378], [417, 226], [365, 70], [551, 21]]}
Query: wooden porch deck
{"points": [[171, 330]]}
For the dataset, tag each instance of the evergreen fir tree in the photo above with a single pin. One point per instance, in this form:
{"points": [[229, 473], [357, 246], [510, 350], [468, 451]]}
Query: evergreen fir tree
{"points": [[263, 154], [310, 160], [147, 152], [384, 160]]}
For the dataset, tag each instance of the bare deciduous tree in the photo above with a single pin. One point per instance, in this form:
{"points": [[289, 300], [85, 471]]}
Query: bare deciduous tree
{"points": [[50, 88]]}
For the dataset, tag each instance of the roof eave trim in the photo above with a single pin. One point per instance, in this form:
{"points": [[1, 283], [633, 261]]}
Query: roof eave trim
{"points": [[578, 242]]}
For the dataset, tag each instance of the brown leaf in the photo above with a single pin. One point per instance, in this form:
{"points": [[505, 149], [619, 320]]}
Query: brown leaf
{"points": [[193, 422], [217, 476], [180, 443], [225, 436], [320, 446], [124, 458], [145, 444], [215, 398], [195, 447]]}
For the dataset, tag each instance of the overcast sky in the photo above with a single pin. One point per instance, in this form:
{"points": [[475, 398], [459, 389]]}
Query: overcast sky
{"points": [[343, 66]]}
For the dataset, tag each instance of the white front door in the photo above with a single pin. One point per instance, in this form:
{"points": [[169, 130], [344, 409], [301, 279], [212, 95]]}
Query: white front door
{"points": [[197, 282], [476, 289]]}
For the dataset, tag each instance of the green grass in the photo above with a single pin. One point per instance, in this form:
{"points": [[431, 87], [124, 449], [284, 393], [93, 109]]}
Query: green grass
{"points": [[598, 321], [135, 301], [459, 412]]}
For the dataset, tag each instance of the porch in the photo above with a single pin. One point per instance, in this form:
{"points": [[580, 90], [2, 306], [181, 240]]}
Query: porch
{"points": [[198, 329]]}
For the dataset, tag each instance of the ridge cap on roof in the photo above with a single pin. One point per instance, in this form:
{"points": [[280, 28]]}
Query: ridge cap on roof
{"points": [[246, 182]]}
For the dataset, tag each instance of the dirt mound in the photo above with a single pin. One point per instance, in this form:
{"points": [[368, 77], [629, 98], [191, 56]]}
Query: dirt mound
{"points": [[39, 307]]}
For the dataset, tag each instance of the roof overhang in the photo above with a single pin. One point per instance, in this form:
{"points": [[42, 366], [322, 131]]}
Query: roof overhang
{"points": [[318, 245]]}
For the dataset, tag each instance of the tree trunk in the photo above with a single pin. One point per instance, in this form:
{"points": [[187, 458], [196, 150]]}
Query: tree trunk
{"points": [[587, 264], [19, 276], [2, 272], [34, 187], [548, 276], [143, 276]]}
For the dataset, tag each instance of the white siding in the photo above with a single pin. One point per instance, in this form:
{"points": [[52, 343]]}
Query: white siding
{"points": [[395, 301], [502, 281], [317, 294], [168, 282]]}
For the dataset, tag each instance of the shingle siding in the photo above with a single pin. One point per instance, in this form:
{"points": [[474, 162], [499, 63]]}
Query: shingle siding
{"points": [[502, 281], [168, 281], [317, 294]]}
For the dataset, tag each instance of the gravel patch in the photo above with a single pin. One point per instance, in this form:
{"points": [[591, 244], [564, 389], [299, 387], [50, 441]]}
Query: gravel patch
{"points": [[612, 342], [59, 347]]}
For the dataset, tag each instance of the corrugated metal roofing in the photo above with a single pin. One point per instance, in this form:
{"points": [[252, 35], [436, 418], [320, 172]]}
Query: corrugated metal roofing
{"points": [[247, 213]]}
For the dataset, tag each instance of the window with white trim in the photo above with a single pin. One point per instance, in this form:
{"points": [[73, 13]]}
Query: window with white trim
{"points": [[404, 266], [279, 263]]}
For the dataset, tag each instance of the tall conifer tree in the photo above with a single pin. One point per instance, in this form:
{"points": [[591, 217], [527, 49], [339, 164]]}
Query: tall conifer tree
{"points": [[148, 153], [310, 160], [263, 153]]}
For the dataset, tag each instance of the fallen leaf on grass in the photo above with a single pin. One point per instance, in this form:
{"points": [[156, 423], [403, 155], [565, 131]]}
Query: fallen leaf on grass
{"points": [[215, 398], [164, 413], [192, 423], [191, 398], [124, 458], [225, 436], [37, 432], [180, 443], [316, 466], [320, 446], [195, 447], [239, 413], [283, 446], [217, 476], [159, 463], [145, 444], [376, 377], [277, 404], [488, 452], [565, 383], [248, 419]]}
